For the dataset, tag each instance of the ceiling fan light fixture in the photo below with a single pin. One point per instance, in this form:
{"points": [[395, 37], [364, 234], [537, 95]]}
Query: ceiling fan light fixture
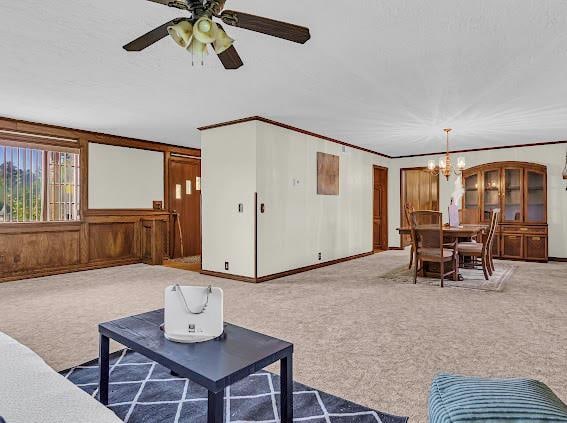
{"points": [[197, 48], [222, 41], [205, 30], [182, 33]]}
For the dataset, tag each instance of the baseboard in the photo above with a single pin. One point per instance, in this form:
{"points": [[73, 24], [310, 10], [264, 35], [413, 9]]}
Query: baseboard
{"points": [[395, 248], [285, 273], [562, 259], [39, 273], [229, 276]]}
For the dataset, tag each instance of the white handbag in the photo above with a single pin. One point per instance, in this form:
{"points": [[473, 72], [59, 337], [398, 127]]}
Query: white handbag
{"points": [[193, 313]]}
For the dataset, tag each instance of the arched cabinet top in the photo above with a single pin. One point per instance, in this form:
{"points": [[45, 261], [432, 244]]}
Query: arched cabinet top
{"points": [[533, 166]]}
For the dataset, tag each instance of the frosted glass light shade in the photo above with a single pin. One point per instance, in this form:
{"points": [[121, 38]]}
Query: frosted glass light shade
{"points": [[431, 165], [222, 41], [181, 32], [197, 48], [461, 163], [205, 30], [442, 164]]}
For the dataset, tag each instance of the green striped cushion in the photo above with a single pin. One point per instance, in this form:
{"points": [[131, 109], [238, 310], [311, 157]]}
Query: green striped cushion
{"points": [[456, 399]]}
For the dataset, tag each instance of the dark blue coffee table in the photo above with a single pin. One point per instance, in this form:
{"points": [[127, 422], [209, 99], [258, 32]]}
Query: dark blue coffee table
{"points": [[214, 364]]}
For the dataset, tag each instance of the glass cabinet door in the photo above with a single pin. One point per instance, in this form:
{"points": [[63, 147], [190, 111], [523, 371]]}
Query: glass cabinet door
{"points": [[535, 196], [471, 192], [512, 195], [491, 193]]}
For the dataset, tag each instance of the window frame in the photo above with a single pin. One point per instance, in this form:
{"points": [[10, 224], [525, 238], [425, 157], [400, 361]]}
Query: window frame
{"points": [[47, 143]]}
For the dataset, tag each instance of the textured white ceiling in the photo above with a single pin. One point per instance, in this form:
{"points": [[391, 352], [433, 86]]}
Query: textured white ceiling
{"points": [[383, 74]]}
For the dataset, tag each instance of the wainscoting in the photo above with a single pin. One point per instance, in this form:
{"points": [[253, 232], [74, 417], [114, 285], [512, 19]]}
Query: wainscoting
{"points": [[104, 238]]}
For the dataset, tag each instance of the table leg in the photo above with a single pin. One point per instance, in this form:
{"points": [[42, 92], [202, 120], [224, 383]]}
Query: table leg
{"points": [[286, 389], [103, 365], [215, 409]]}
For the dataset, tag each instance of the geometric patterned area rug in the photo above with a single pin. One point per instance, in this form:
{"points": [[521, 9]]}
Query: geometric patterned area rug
{"points": [[472, 278], [143, 391]]}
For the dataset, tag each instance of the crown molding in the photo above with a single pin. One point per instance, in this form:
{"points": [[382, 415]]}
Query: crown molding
{"points": [[291, 128], [324, 137], [53, 132]]}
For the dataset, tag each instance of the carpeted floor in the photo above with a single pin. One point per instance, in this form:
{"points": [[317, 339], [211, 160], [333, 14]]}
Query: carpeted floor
{"points": [[369, 339]]}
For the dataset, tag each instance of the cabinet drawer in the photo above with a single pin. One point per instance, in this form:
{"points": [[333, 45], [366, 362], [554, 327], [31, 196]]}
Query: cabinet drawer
{"points": [[535, 247], [512, 246], [523, 229]]}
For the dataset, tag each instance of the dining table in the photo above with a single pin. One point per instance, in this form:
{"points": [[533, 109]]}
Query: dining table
{"points": [[454, 233]]}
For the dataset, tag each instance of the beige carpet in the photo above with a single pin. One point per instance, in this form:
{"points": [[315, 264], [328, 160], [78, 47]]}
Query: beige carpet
{"points": [[369, 339]]}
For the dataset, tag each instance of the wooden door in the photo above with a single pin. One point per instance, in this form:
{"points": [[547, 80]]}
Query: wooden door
{"points": [[380, 215], [420, 189], [185, 199]]}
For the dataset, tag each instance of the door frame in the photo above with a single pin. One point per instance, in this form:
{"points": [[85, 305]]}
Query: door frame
{"points": [[402, 213], [385, 228], [171, 158]]}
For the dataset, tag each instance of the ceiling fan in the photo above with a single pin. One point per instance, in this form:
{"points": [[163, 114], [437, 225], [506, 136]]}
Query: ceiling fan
{"points": [[196, 32]]}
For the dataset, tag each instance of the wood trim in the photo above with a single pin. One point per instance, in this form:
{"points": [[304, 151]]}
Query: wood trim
{"points": [[313, 134], [285, 273], [33, 227], [228, 276], [26, 129], [402, 215], [386, 227], [291, 128], [125, 212], [507, 164], [471, 150], [396, 248], [69, 269]]}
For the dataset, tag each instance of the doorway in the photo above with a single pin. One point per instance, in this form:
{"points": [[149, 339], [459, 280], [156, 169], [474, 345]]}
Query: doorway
{"points": [[420, 189], [380, 209], [184, 182]]}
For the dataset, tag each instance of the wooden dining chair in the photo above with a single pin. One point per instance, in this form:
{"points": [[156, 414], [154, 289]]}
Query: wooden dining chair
{"points": [[427, 235], [482, 250], [408, 210]]}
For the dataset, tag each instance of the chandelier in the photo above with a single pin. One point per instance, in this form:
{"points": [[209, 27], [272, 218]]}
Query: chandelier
{"points": [[445, 166]]}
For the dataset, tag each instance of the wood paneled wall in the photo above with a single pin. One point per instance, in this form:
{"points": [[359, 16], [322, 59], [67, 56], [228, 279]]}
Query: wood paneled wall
{"points": [[101, 238]]}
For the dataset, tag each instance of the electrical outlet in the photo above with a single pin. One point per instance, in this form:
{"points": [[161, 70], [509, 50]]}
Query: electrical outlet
{"points": [[319, 255], [226, 265]]}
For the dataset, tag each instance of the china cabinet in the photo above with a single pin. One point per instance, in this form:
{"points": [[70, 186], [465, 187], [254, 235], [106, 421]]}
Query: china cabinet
{"points": [[519, 189]]}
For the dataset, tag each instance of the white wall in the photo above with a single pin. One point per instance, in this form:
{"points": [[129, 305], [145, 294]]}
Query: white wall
{"points": [[228, 177], [242, 159], [124, 178], [552, 156], [298, 223]]}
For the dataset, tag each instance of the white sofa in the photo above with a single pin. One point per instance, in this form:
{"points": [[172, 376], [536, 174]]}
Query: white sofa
{"points": [[32, 392]]}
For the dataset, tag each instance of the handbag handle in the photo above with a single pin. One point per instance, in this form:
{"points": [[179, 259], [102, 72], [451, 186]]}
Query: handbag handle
{"points": [[209, 291]]}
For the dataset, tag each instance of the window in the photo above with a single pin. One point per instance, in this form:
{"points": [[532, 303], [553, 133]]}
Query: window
{"points": [[38, 185]]}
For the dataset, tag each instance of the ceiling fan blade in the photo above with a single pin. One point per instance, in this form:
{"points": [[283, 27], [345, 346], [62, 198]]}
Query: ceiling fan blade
{"points": [[287, 31], [230, 58], [150, 38], [178, 4]]}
